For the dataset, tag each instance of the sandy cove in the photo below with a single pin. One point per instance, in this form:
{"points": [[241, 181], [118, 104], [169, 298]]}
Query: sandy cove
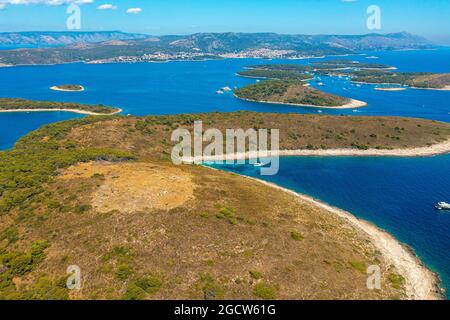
{"points": [[420, 282], [436, 149], [63, 110], [352, 104]]}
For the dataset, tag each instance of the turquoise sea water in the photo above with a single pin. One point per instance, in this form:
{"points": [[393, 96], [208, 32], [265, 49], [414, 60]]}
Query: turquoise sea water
{"points": [[396, 194]]}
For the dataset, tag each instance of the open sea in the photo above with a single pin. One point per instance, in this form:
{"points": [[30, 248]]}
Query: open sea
{"points": [[397, 194]]}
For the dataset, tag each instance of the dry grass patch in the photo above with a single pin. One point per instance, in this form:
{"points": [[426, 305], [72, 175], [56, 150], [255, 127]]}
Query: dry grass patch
{"points": [[133, 187]]}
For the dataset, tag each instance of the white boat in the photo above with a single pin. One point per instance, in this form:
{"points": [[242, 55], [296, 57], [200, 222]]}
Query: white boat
{"points": [[219, 92], [320, 84], [258, 164], [443, 206], [226, 89]]}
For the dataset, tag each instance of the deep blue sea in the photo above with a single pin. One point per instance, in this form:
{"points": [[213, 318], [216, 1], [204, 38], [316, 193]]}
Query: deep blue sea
{"points": [[396, 194]]}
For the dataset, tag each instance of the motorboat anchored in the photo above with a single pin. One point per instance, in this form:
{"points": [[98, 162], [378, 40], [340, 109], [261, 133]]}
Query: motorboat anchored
{"points": [[443, 206]]}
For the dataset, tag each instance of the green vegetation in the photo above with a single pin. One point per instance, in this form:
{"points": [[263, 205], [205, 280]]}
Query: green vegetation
{"points": [[297, 236], [413, 79], [401, 78], [359, 266], [17, 264], [35, 160], [265, 291], [23, 104], [210, 287], [282, 67], [275, 74], [359, 72], [288, 91], [124, 271], [342, 64], [150, 284], [134, 292], [229, 214], [396, 280], [255, 274], [140, 288]]}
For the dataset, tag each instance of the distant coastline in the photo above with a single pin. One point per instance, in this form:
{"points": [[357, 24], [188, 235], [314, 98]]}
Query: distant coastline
{"points": [[62, 110]]}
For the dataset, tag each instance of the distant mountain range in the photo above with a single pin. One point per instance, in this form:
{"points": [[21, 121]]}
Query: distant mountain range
{"points": [[115, 46], [55, 38]]}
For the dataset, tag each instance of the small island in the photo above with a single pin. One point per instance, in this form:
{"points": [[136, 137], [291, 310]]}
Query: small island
{"points": [[68, 88], [23, 105], [415, 80], [296, 93]]}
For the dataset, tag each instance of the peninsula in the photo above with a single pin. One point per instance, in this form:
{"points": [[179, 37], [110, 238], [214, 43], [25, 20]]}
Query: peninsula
{"points": [[118, 179], [23, 105], [99, 176]]}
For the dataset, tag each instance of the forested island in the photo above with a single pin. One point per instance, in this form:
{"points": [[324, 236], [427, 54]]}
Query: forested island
{"points": [[23, 105], [286, 85], [294, 93]]}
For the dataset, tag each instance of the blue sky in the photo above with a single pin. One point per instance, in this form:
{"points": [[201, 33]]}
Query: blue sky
{"points": [[424, 17]]}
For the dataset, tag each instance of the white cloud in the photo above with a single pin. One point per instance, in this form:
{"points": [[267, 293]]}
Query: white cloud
{"points": [[134, 10], [106, 6]]}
